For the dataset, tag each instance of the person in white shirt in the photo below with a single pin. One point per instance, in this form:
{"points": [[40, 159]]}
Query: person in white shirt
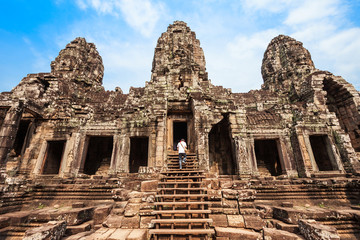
{"points": [[182, 147]]}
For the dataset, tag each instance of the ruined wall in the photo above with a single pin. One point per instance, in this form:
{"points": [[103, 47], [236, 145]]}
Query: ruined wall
{"points": [[70, 104]]}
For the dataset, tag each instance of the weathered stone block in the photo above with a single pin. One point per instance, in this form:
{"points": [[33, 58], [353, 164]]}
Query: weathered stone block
{"points": [[80, 236], [51, 230], [214, 194], [265, 211], [104, 233], [287, 204], [101, 213], [71, 216], [230, 194], [18, 217], [254, 222], [132, 209], [148, 197], [137, 234], [71, 230], [219, 220], [227, 203], [275, 234], [211, 183], [236, 221], [149, 186], [230, 211], [119, 234], [246, 195], [113, 221], [145, 222], [130, 222], [120, 194], [293, 228], [316, 231], [4, 222], [235, 233], [78, 205]]}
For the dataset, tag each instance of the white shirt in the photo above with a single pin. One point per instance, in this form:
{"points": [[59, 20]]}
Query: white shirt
{"points": [[181, 146]]}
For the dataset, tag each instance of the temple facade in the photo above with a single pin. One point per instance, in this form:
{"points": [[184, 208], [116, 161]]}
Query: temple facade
{"points": [[302, 122]]}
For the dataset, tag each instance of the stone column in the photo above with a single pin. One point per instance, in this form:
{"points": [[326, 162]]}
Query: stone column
{"points": [[115, 156], [305, 147], [122, 161], [8, 132], [244, 156], [160, 143], [287, 163], [69, 156]]}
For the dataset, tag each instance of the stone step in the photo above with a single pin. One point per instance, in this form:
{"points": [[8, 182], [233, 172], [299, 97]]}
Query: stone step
{"points": [[181, 231], [181, 211], [181, 189], [181, 195], [182, 177], [183, 172], [73, 198], [180, 203], [186, 220], [177, 183]]}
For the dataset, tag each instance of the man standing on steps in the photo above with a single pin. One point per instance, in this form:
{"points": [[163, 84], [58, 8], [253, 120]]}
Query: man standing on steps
{"points": [[182, 147]]}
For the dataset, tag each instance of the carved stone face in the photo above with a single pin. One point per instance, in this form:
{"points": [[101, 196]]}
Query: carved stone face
{"points": [[79, 62], [285, 61]]}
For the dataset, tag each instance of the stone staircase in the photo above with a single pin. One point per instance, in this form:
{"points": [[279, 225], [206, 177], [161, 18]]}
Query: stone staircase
{"points": [[346, 228], [71, 190], [306, 189], [17, 232], [181, 208]]}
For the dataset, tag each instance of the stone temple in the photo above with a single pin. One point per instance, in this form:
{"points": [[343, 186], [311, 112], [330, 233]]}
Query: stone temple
{"points": [[281, 162]]}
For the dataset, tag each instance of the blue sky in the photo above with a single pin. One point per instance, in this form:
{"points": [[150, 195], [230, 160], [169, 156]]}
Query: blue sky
{"points": [[233, 34]]}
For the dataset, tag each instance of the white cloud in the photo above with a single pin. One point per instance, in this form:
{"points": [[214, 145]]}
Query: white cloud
{"points": [[237, 64], [141, 15], [274, 6], [310, 11], [233, 55]]}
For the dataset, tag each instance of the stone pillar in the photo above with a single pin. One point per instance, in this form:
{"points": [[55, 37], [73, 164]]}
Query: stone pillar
{"points": [[69, 157], [160, 154], [245, 156], [41, 157], [115, 156], [122, 161], [307, 157], [287, 163], [80, 143], [8, 132]]}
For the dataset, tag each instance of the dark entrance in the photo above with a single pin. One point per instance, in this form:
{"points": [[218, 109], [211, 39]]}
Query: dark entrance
{"points": [[221, 150], [53, 157], [340, 101], [179, 132], [98, 155], [267, 157], [20, 137], [138, 153], [322, 153]]}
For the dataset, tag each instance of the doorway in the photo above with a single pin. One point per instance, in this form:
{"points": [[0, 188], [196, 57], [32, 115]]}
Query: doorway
{"points": [[267, 157], [53, 157], [323, 154], [179, 132], [138, 153], [221, 149], [98, 155], [20, 137]]}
